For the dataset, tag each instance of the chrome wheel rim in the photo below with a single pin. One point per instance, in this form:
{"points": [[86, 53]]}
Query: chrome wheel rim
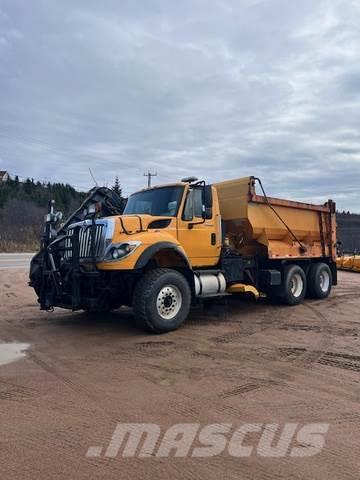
{"points": [[168, 302], [296, 285], [324, 281]]}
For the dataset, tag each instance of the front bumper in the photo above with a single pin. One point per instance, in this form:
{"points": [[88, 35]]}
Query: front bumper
{"points": [[78, 284]]}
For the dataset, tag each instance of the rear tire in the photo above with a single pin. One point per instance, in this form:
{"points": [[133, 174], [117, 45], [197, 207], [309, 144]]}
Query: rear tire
{"points": [[319, 281], [294, 285], [161, 300]]}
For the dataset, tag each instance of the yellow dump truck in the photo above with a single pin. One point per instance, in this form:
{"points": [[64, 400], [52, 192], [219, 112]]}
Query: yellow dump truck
{"points": [[175, 245]]}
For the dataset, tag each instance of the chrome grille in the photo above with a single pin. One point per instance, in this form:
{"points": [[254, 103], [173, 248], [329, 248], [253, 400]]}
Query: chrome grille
{"points": [[85, 241]]}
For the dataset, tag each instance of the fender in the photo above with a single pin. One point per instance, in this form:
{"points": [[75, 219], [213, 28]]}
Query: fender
{"points": [[153, 249]]}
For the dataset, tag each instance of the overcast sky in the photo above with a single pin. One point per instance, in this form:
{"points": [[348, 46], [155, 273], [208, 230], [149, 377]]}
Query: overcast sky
{"points": [[214, 88]]}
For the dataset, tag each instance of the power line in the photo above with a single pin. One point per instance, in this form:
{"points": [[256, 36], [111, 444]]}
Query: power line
{"points": [[149, 175]]}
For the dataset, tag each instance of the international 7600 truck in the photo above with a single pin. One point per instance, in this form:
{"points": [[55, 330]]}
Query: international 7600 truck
{"points": [[175, 245]]}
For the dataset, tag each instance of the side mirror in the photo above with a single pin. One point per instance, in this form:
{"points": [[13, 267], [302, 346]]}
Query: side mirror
{"points": [[193, 203], [188, 213], [207, 202], [188, 217]]}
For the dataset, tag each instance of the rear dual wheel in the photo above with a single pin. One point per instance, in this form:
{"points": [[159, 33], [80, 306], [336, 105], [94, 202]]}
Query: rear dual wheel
{"points": [[317, 284], [319, 281], [294, 285]]}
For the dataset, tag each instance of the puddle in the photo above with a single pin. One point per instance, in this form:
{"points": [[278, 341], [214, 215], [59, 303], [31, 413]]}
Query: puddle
{"points": [[10, 352]]}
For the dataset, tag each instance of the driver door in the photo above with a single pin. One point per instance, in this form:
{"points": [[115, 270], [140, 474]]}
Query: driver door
{"points": [[200, 237]]}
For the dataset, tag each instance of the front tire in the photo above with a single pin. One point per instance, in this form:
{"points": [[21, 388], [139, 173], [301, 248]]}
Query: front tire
{"points": [[319, 281], [161, 300], [294, 285]]}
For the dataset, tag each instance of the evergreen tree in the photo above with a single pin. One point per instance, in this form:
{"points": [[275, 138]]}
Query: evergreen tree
{"points": [[117, 188]]}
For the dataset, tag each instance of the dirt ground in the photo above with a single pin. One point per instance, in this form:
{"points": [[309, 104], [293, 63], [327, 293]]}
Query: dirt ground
{"points": [[237, 362]]}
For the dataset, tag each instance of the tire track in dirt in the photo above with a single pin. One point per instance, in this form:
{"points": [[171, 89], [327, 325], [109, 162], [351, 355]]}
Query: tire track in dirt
{"points": [[46, 364], [246, 388], [257, 363], [344, 361], [340, 360], [50, 365], [15, 392], [221, 347], [281, 375]]}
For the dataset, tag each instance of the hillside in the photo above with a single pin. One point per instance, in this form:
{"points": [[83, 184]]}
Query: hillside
{"points": [[22, 209]]}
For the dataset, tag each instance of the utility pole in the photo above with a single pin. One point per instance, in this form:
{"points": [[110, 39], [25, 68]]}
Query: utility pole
{"points": [[149, 175]]}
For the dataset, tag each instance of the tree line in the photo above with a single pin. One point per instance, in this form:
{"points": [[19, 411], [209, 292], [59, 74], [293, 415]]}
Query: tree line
{"points": [[39, 193], [24, 204]]}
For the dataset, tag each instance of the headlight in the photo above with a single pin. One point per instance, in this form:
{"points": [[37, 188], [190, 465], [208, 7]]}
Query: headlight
{"points": [[118, 251]]}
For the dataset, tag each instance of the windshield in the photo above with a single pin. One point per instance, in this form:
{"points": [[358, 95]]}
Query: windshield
{"points": [[162, 202]]}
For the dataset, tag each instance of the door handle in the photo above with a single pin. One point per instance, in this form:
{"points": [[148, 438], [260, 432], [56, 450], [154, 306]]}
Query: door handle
{"points": [[213, 239]]}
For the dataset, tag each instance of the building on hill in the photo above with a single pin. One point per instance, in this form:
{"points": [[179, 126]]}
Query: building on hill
{"points": [[4, 176]]}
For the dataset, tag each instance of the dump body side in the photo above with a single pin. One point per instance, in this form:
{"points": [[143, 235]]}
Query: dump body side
{"points": [[275, 228]]}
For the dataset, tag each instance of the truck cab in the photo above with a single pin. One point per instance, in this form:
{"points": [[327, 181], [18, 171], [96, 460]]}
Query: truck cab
{"points": [[182, 218]]}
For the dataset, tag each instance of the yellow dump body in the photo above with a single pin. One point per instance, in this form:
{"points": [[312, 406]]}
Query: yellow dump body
{"points": [[253, 228], [349, 262]]}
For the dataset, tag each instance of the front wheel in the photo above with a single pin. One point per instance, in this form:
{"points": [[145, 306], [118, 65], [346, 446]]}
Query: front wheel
{"points": [[161, 300]]}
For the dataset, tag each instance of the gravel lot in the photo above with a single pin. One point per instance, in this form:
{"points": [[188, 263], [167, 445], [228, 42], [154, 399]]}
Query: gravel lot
{"points": [[236, 362]]}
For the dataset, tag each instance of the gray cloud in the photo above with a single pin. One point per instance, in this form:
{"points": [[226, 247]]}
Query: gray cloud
{"points": [[217, 88]]}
